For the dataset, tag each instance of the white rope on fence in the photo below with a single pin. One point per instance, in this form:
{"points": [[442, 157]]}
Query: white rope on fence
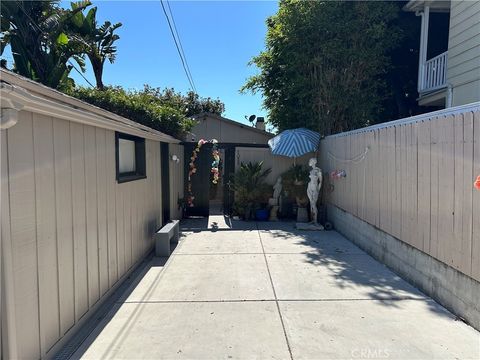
{"points": [[355, 159]]}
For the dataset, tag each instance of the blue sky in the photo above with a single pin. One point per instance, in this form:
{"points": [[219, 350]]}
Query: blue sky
{"points": [[219, 39]]}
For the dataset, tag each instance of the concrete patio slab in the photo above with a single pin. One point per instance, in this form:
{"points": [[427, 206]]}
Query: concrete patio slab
{"points": [[211, 278], [407, 329], [319, 242], [312, 277], [238, 330], [221, 242], [309, 296]]}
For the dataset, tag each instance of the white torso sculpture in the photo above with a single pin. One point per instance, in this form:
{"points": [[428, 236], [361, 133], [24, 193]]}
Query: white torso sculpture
{"points": [[277, 190], [313, 188]]}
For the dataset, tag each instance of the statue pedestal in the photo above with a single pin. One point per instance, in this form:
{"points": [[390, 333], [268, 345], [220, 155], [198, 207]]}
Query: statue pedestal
{"points": [[309, 226], [302, 215], [273, 213]]}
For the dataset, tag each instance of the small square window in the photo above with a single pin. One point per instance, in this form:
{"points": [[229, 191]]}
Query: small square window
{"points": [[130, 157]]}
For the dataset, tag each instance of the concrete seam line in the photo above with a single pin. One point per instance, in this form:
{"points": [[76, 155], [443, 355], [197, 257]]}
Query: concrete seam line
{"points": [[269, 300], [274, 293]]}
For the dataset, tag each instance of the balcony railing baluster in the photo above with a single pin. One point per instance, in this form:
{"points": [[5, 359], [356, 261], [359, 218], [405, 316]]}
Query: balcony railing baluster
{"points": [[434, 76]]}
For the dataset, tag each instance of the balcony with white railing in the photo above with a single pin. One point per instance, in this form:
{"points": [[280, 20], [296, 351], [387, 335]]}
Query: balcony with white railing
{"points": [[433, 74]]}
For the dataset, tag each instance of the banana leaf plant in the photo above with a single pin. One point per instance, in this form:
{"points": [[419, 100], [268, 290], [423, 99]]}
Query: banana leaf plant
{"points": [[40, 43], [98, 41]]}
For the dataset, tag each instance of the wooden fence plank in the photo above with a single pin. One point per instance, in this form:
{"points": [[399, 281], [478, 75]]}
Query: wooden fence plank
{"points": [[404, 184], [424, 180], [467, 195], [434, 173], [458, 241], [414, 187], [476, 200], [446, 190]]}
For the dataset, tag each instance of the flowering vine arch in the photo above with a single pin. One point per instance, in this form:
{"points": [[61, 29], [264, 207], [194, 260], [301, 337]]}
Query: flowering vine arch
{"points": [[193, 169]]}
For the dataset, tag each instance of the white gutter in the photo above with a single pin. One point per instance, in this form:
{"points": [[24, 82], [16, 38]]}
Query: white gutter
{"points": [[473, 107], [15, 98]]}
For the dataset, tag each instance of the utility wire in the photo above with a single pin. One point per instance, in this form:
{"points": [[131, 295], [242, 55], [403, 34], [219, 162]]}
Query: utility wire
{"points": [[180, 43], [184, 60], [81, 74]]}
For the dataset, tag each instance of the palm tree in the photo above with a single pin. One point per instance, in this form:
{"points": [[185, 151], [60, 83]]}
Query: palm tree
{"points": [[40, 43], [98, 41]]}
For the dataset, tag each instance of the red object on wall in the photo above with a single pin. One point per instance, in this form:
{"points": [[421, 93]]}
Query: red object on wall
{"points": [[476, 184]]}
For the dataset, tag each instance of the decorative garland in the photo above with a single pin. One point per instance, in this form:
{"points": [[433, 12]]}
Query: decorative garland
{"points": [[215, 164]]}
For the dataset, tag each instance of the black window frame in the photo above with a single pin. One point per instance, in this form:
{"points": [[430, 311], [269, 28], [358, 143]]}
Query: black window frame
{"points": [[140, 159]]}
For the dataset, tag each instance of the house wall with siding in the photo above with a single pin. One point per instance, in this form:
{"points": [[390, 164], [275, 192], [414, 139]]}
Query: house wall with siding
{"points": [[463, 71], [415, 182], [74, 231], [278, 164], [225, 131]]}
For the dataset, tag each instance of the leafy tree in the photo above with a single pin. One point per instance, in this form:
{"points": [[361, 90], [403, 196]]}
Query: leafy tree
{"points": [[98, 41], [41, 46], [324, 62]]}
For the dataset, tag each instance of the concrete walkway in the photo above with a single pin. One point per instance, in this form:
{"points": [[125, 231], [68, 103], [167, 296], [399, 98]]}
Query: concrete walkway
{"points": [[266, 291]]}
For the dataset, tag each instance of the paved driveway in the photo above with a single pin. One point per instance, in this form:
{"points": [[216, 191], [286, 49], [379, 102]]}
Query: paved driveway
{"points": [[267, 291]]}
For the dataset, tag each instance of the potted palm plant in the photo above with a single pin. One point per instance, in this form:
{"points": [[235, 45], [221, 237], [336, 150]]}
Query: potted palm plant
{"points": [[251, 190]]}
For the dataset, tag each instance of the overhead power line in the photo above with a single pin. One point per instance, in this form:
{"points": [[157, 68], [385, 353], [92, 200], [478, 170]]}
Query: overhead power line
{"points": [[178, 44], [81, 74]]}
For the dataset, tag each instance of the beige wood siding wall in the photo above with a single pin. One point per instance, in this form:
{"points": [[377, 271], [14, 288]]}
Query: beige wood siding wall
{"points": [[463, 71], [74, 232], [278, 164], [415, 183], [176, 180], [223, 131]]}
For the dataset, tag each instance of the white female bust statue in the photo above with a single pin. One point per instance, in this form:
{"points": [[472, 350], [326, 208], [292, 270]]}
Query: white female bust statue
{"points": [[313, 188]]}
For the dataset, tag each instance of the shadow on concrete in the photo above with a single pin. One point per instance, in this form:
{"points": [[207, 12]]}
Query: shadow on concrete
{"points": [[349, 268], [93, 326]]}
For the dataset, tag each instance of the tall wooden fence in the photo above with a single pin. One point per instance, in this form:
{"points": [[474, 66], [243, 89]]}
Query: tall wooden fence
{"points": [[413, 179]]}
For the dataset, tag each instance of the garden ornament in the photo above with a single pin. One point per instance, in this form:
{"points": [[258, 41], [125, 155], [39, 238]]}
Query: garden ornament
{"points": [[313, 188], [476, 184], [277, 189]]}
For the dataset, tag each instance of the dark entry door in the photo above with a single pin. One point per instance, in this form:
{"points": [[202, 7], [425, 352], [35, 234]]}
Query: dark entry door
{"points": [[229, 170], [165, 171], [200, 180]]}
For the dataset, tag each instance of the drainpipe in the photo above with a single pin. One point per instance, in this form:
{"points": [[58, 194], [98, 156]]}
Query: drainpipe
{"points": [[422, 56], [449, 99]]}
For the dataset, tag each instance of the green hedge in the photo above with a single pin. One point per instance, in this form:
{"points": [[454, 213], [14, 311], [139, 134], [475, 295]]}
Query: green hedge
{"points": [[140, 106]]}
